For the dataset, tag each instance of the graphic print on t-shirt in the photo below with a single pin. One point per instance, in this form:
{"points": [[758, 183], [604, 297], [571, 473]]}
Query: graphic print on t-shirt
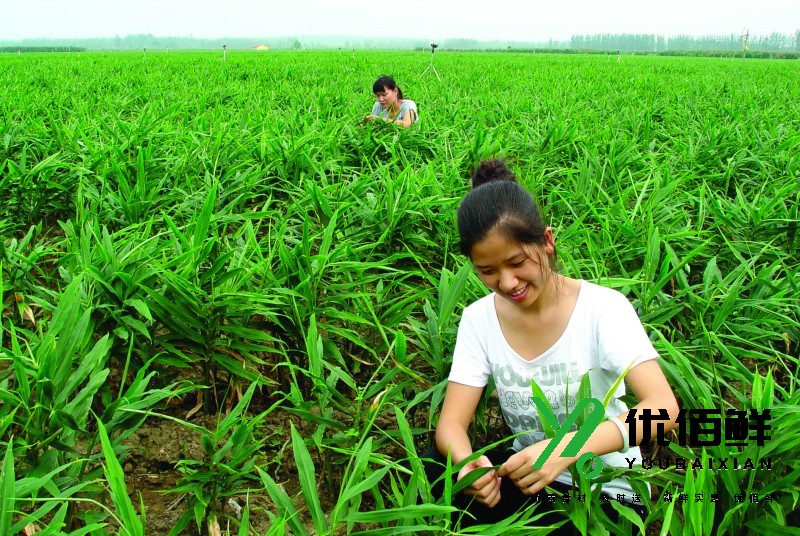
{"points": [[559, 383]]}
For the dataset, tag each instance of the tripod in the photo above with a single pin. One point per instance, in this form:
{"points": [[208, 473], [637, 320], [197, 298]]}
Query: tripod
{"points": [[430, 67]]}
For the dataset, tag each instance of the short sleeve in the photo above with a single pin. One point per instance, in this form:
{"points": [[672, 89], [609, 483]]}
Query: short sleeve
{"points": [[470, 360], [412, 107], [622, 340]]}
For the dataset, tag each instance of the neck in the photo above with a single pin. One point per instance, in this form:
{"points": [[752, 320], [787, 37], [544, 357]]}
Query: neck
{"points": [[550, 292], [550, 296]]}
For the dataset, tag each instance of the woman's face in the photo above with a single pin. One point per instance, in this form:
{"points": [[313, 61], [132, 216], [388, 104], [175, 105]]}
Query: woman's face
{"points": [[515, 272], [387, 97]]}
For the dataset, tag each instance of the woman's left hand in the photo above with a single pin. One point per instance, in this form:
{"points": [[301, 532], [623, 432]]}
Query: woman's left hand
{"points": [[519, 468]]}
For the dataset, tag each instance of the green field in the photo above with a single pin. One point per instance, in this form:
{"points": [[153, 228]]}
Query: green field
{"points": [[214, 278]]}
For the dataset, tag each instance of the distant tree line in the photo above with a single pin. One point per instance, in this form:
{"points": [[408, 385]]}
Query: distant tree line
{"points": [[20, 49], [789, 55], [774, 42], [650, 43], [151, 42]]}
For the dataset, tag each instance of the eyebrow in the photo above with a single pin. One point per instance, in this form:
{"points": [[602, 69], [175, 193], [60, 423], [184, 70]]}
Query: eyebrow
{"points": [[507, 259]]}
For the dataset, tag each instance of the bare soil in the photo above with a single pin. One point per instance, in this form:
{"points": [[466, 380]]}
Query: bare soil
{"points": [[151, 473]]}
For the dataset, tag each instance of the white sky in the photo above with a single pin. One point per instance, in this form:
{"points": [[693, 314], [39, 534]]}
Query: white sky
{"points": [[512, 20]]}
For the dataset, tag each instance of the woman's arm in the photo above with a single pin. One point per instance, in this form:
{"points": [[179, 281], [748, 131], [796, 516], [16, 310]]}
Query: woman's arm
{"points": [[460, 402], [407, 119], [650, 387], [458, 409], [410, 114]]}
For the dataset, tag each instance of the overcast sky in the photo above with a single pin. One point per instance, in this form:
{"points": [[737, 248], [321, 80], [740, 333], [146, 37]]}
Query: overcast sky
{"points": [[511, 20]]}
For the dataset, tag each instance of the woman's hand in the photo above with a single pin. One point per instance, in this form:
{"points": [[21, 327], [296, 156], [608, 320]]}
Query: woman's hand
{"points": [[458, 409], [519, 468], [487, 488]]}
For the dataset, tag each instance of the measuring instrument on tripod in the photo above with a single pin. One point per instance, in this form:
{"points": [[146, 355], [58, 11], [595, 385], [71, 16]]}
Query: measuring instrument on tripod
{"points": [[430, 67]]}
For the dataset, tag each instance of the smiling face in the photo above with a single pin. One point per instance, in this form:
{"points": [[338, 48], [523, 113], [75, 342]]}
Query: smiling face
{"points": [[516, 272], [387, 97]]}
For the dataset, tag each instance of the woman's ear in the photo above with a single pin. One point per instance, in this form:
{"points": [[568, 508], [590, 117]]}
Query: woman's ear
{"points": [[549, 241]]}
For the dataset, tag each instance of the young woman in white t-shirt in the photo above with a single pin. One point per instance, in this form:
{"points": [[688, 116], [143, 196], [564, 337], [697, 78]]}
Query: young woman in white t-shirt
{"points": [[390, 104], [538, 324]]}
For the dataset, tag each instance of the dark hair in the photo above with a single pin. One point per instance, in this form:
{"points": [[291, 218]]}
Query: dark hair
{"points": [[386, 82], [498, 201]]}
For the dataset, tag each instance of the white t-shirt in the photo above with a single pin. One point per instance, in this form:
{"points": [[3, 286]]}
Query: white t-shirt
{"points": [[602, 337], [406, 105]]}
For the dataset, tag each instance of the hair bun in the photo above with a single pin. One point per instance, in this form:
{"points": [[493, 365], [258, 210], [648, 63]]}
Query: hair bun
{"points": [[492, 170]]}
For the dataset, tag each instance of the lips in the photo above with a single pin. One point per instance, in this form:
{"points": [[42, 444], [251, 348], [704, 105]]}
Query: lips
{"points": [[518, 294]]}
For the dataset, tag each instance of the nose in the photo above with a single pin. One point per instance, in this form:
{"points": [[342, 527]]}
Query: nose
{"points": [[508, 281]]}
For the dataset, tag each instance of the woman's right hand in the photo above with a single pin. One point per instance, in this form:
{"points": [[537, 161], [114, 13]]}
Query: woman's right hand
{"points": [[487, 488]]}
